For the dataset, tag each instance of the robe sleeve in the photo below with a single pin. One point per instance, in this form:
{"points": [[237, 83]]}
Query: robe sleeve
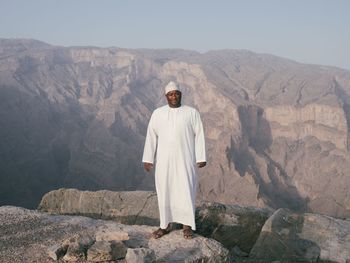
{"points": [[199, 139], [150, 143]]}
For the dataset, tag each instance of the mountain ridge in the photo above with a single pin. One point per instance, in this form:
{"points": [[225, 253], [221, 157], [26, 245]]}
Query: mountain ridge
{"points": [[76, 117]]}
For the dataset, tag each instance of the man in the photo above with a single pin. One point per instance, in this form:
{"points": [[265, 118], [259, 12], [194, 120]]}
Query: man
{"points": [[175, 133]]}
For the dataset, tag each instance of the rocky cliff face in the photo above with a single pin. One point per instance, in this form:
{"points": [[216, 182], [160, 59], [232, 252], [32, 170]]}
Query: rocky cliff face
{"points": [[277, 131]]}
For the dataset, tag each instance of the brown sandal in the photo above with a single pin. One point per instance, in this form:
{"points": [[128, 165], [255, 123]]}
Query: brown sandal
{"points": [[159, 233], [188, 233]]}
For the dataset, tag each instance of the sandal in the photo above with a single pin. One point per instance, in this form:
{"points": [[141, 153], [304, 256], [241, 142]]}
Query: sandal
{"points": [[159, 233], [188, 233]]}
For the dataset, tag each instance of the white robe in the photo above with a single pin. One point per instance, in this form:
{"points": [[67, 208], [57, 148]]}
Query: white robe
{"points": [[176, 134]]}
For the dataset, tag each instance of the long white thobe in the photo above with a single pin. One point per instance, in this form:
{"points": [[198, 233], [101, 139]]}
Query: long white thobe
{"points": [[176, 136]]}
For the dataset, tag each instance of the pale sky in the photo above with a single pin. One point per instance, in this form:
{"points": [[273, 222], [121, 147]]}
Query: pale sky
{"points": [[308, 31]]}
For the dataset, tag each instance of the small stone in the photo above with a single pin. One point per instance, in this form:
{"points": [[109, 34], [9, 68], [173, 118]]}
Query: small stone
{"points": [[86, 241], [136, 241], [140, 255], [77, 247], [118, 249], [100, 251], [74, 253]]}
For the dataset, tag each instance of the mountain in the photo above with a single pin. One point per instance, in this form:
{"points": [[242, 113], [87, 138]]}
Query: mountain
{"points": [[277, 130]]}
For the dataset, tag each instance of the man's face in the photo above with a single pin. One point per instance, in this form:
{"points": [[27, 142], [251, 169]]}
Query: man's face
{"points": [[174, 98]]}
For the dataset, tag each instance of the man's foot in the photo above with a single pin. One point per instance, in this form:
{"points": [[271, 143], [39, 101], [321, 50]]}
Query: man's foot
{"points": [[187, 231], [160, 232]]}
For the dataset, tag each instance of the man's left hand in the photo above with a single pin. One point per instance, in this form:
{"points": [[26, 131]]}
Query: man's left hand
{"points": [[201, 164]]}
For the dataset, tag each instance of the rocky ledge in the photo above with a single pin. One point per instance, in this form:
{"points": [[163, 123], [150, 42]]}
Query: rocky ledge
{"points": [[31, 236], [224, 233], [233, 226]]}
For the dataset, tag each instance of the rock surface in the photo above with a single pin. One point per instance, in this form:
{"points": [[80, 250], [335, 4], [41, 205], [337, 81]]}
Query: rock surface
{"points": [[31, 236], [291, 237], [106, 251], [136, 207], [28, 236], [231, 225], [140, 255]]}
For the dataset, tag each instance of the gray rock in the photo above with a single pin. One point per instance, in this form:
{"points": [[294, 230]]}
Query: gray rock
{"points": [[85, 240], [76, 252], [119, 249], [291, 237], [136, 241], [174, 248], [137, 207], [231, 225], [100, 251], [77, 247], [140, 255], [33, 233]]}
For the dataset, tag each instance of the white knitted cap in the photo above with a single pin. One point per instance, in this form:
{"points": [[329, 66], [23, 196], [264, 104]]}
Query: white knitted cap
{"points": [[172, 86]]}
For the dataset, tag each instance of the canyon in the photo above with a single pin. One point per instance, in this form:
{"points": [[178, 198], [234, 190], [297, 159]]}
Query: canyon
{"points": [[276, 130]]}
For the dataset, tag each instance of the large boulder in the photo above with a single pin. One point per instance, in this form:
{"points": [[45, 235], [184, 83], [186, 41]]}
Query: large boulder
{"points": [[292, 237], [132, 208], [231, 225]]}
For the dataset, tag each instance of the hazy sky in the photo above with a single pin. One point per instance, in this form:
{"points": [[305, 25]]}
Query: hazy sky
{"points": [[309, 31]]}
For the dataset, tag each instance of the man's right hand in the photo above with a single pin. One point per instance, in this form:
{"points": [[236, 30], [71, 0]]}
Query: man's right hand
{"points": [[148, 166]]}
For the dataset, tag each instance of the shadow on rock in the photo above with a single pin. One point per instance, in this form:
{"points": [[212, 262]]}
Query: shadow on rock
{"points": [[282, 240]]}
